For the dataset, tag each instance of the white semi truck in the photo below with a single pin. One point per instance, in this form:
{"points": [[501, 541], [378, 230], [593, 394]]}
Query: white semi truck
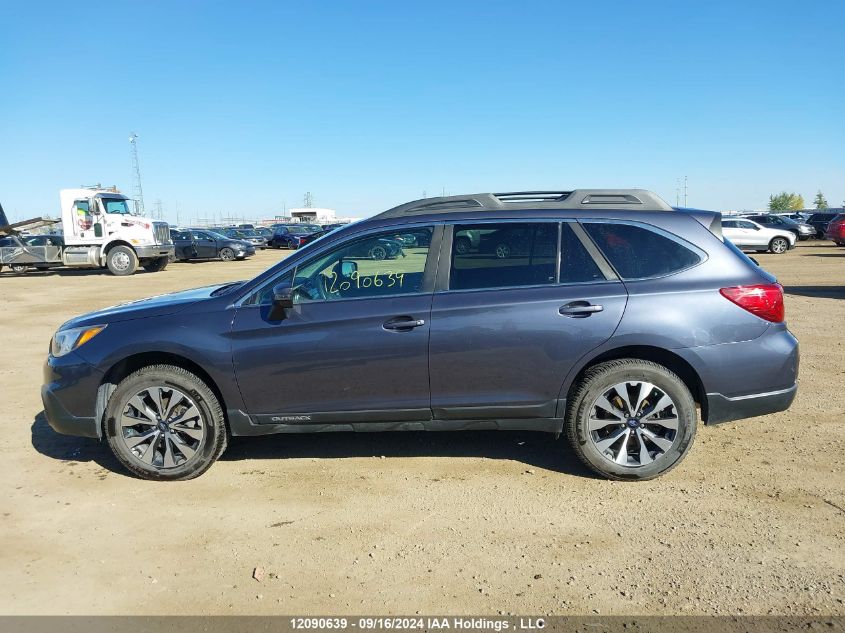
{"points": [[99, 231]]}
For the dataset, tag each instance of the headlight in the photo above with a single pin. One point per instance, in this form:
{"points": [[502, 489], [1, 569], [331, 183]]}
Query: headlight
{"points": [[65, 341]]}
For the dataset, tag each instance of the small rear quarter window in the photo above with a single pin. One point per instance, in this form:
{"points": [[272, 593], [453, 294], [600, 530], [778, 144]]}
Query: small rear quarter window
{"points": [[637, 252]]}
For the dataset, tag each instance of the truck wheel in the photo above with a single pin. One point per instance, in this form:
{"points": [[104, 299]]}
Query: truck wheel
{"points": [[631, 419], [121, 261], [779, 245], [19, 268], [164, 423], [156, 265]]}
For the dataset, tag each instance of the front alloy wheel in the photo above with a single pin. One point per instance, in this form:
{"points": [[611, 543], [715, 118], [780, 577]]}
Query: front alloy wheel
{"points": [[503, 251], [779, 245], [227, 254], [164, 423]]}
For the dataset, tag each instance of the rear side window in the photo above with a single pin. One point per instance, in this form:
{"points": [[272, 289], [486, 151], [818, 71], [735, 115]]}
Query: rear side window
{"points": [[637, 252], [509, 254]]}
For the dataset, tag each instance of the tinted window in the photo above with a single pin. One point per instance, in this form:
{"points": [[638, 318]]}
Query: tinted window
{"points": [[380, 264], [503, 255], [576, 264], [637, 252], [729, 224]]}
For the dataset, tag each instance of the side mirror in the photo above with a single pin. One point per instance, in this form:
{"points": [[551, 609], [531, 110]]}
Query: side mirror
{"points": [[347, 268], [282, 301], [756, 228]]}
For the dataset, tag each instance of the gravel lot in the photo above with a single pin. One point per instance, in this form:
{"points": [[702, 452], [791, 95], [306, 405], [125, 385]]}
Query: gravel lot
{"points": [[752, 522]]}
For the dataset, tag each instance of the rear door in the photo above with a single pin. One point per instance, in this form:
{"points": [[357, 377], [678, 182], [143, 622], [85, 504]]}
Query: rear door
{"points": [[205, 244], [513, 310]]}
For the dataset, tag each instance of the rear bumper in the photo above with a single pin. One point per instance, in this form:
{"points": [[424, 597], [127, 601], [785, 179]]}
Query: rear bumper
{"points": [[724, 409]]}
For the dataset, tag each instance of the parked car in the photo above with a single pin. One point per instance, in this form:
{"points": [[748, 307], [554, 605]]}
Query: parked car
{"points": [[643, 315], [246, 226], [835, 230], [797, 216], [247, 235], [749, 235], [801, 230], [291, 235], [205, 244], [820, 220], [265, 232], [41, 240]]}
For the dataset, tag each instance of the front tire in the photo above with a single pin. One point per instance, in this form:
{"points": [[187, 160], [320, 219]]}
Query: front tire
{"points": [[227, 254], [631, 419], [779, 245], [122, 261], [163, 423]]}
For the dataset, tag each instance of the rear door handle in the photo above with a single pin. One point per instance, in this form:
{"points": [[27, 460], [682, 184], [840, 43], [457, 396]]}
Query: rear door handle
{"points": [[579, 309], [402, 324]]}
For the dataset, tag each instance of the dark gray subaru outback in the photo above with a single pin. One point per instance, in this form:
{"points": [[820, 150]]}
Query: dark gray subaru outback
{"points": [[604, 314]]}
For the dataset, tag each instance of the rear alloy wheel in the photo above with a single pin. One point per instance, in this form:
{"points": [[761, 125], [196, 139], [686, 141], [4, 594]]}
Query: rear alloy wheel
{"points": [[779, 245], [503, 251], [164, 423], [462, 245], [227, 254], [631, 419], [378, 252], [18, 268]]}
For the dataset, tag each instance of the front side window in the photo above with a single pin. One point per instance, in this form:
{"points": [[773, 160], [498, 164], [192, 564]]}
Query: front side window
{"points": [[637, 252], [380, 264], [507, 254]]}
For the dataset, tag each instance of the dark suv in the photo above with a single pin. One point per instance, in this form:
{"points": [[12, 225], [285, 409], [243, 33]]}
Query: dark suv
{"points": [[612, 318]]}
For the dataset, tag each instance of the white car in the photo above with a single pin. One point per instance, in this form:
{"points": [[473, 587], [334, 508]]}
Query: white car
{"points": [[749, 235]]}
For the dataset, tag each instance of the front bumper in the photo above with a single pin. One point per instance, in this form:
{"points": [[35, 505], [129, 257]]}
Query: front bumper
{"points": [[155, 250], [69, 394]]}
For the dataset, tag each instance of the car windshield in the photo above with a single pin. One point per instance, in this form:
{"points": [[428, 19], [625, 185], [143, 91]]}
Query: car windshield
{"points": [[298, 229], [216, 235], [248, 232], [116, 205]]}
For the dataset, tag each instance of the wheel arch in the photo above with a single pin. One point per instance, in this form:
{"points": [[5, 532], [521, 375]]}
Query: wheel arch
{"points": [[126, 366], [114, 243], [670, 360]]}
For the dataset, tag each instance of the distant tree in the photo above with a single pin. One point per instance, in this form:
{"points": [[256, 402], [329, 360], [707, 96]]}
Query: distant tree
{"points": [[786, 202], [820, 202]]}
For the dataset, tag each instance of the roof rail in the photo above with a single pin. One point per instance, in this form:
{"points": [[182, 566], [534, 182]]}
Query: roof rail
{"points": [[625, 199]]}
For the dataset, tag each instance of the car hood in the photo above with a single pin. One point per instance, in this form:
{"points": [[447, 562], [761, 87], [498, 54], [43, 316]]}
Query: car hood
{"points": [[159, 305]]}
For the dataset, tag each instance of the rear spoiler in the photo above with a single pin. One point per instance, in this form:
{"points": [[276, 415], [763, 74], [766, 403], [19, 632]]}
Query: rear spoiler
{"points": [[710, 220]]}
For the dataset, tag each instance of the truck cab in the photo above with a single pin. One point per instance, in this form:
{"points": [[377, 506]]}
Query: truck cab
{"points": [[100, 230]]}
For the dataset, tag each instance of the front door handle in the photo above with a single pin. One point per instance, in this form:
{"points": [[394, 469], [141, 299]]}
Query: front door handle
{"points": [[402, 324], [579, 309]]}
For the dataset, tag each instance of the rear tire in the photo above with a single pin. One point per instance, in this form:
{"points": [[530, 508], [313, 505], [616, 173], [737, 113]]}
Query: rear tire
{"points": [[181, 417], [643, 429], [18, 268], [122, 261], [779, 245], [157, 265]]}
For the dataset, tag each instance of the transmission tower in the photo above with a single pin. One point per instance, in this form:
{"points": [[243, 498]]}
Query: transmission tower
{"points": [[309, 200], [137, 191]]}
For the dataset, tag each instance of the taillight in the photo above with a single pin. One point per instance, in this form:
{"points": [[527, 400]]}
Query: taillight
{"points": [[764, 300]]}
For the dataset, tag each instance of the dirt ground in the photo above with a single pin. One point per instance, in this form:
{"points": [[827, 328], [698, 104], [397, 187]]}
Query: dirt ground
{"points": [[753, 521]]}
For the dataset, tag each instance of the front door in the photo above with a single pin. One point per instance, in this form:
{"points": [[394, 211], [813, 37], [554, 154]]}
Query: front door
{"points": [[509, 322], [206, 245], [354, 348]]}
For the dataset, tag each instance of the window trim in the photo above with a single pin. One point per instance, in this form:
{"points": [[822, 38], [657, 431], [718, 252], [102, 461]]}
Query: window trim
{"points": [[702, 255], [428, 272], [444, 272]]}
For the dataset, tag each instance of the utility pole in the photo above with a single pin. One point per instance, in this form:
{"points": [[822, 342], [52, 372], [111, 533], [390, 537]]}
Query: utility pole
{"points": [[677, 192], [685, 191], [137, 190], [309, 200]]}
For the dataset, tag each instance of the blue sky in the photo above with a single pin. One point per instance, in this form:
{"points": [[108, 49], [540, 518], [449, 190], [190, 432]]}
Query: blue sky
{"points": [[242, 107]]}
